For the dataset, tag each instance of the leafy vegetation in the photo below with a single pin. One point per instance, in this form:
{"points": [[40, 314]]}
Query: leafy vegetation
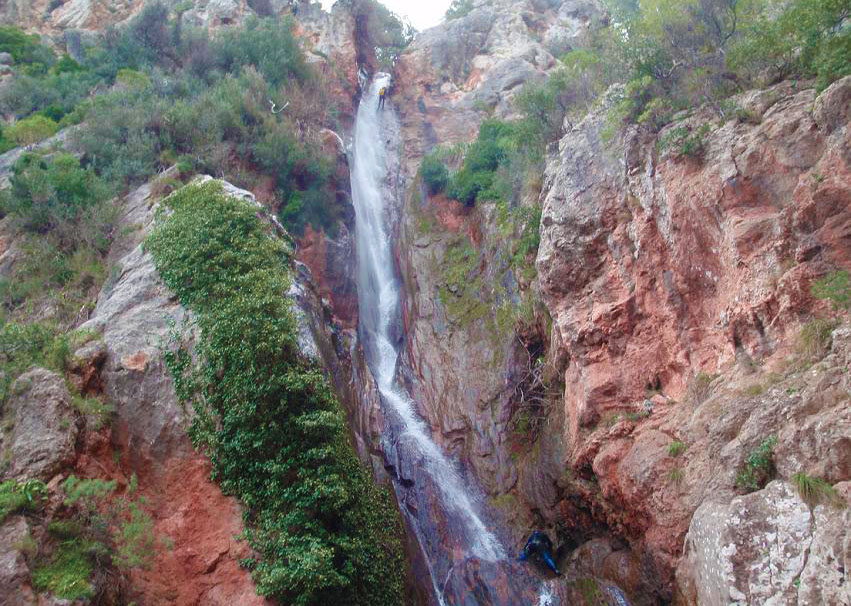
{"points": [[685, 142], [26, 345], [816, 490], [64, 213], [434, 174], [836, 288], [67, 574], [458, 9], [21, 495], [815, 338], [676, 448], [477, 179], [104, 532], [758, 467], [168, 92], [274, 431]]}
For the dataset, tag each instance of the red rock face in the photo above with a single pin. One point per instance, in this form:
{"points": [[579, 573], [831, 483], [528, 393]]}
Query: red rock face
{"points": [[201, 564], [656, 268], [678, 265]]}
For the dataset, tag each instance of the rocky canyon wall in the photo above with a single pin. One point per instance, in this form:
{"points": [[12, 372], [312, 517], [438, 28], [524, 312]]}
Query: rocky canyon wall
{"points": [[677, 288]]}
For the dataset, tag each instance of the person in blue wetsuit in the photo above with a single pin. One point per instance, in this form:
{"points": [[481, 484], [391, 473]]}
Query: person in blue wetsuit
{"points": [[540, 546]]}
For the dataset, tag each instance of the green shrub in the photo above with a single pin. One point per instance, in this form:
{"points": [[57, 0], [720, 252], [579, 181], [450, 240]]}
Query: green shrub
{"points": [[434, 173], [477, 179], [31, 130], [815, 338], [815, 490], [268, 44], [25, 345], [46, 192], [68, 573], [87, 493], [758, 467], [21, 495], [676, 448], [135, 539], [836, 288], [458, 9], [275, 433], [24, 48], [685, 141]]}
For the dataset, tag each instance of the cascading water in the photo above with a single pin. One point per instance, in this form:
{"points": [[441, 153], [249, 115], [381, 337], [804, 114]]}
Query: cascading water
{"points": [[378, 294]]}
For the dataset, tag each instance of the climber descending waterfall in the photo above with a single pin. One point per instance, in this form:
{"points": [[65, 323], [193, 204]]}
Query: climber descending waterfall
{"points": [[378, 293]]}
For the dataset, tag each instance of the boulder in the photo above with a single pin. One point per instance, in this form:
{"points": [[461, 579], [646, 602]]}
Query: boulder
{"points": [[765, 548], [6, 59], [45, 426], [832, 109]]}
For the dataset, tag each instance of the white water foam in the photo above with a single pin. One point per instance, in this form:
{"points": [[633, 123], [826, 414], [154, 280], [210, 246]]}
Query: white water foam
{"points": [[378, 292]]}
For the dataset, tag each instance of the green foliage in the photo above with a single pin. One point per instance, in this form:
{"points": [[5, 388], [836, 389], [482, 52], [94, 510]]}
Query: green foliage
{"points": [[387, 32], [458, 9], [274, 431], [21, 495], [135, 539], [758, 467], [815, 338], [67, 574], [676, 448], [132, 78], [46, 192], [836, 288], [801, 37], [67, 224], [95, 410], [676, 475], [267, 44], [25, 48], [477, 180], [434, 173], [684, 141], [25, 345], [31, 130], [815, 490]]}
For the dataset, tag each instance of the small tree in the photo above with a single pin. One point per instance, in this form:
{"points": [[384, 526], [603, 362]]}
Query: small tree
{"points": [[435, 174], [30, 131]]}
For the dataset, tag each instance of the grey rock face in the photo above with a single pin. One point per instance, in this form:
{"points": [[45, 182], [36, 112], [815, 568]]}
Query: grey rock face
{"points": [[14, 572], [764, 548], [45, 429], [134, 314]]}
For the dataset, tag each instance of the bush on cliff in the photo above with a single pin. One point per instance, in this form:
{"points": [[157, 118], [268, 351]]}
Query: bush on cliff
{"points": [[156, 90], [325, 534]]}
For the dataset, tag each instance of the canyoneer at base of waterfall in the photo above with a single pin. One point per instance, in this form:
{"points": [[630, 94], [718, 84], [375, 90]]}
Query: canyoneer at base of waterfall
{"points": [[382, 95], [539, 546]]}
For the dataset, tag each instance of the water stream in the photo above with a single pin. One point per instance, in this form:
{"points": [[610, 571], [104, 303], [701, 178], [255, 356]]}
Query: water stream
{"points": [[439, 488]]}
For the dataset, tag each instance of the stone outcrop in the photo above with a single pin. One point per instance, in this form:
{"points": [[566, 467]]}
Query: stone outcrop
{"points": [[14, 570], [767, 547], [44, 426], [662, 272], [456, 73], [655, 267]]}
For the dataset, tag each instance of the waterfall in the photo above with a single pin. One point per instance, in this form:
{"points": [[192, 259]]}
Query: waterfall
{"points": [[378, 297]]}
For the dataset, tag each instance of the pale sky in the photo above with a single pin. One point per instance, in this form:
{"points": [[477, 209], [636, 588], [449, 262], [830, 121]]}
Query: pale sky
{"points": [[421, 13]]}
